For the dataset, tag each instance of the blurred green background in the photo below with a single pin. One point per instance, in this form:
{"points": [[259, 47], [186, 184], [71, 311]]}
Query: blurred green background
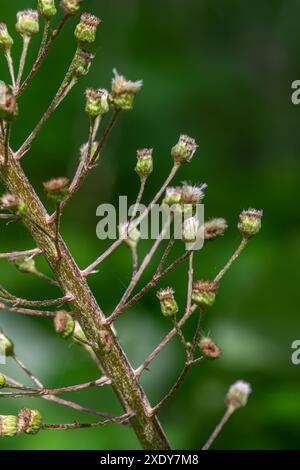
{"points": [[220, 71]]}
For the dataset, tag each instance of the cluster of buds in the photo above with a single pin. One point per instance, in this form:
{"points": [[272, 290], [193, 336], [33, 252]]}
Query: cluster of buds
{"points": [[250, 222], [168, 304], [237, 395], [131, 236], [204, 293], [47, 8], [6, 41], [190, 229], [57, 188], [8, 103], [96, 102], [184, 150], [214, 228], [6, 345], [82, 63], [64, 324], [123, 92], [71, 7], [209, 349], [144, 165], [27, 22], [13, 203], [86, 29]]}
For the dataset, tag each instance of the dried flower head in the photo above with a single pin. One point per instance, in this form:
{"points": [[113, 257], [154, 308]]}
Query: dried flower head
{"points": [[237, 395], [123, 91], [8, 103], [250, 222], [8, 425], [168, 304], [192, 194], [27, 22], [214, 228], [47, 8], [144, 165], [86, 29], [82, 63], [6, 41], [71, 7], [96, 102], [64, 324], [184, 150], [57, 188], [209, 349], [131, 237], [29, 421], [204, 293]]}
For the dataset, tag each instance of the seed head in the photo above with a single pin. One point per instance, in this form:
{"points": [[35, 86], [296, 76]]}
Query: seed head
{"points": [[209, 349], [6, 41], [168, 304], [71, 7], [27, 22], [8, 103], [86, 29], [237, 395], [204, 293], [57, 188], [214, 228], [144, 165], [131, 237], [8, 425], [29, 421], [64, 324], [123, 91], [250, 222], [184, 150], [192, 194], [47, 8], [82, 63], [96, 102]]}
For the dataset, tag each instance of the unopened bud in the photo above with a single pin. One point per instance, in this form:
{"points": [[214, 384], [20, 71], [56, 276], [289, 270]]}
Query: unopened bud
{"points": [[168, 304], [214, 228], [29, 421], [190, 229], [172, 196], [8, 103], [57, 188], [6, 41], [12, 203], [96, 102], [209, 349], [6, 345], [237, 395], [204, 293], [86, 29], [27, 22], [82, 63], [71, 7], [123, 91], [2, 381], [47, 8], [144, 165], [64, 324], [250, 222], [131, 237], [8, 425], [184, 150], [24, 264]]}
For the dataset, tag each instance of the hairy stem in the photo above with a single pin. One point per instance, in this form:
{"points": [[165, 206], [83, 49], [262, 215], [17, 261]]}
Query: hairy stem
{"points": [[218, 429]]}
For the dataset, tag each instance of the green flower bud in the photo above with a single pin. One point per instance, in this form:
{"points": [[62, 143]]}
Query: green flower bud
{"points": [[209, 349], [8, 103], [29, 421], [131, 237], [237, 395], [144, 166], [96, 102], [24, 264], [184, 150], [47, 8], [57, 188], [2, 381], [190, 229], [168, 304], [82, 63], [6, 345], [250, 222], [86, 29], [8, 425], [204, 293], [27, 22], [123, 91], [214, 228], [12, 203], [64, 324], [172, 196], [6, 41], [71, 7]]}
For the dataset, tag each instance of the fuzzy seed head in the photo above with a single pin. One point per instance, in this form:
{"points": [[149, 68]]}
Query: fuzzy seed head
{"points": [[64, 324], [96, 102], [250, 222], [192, 194], [86, 29], [214, 228], [237, 395], [8, 103], [209, 349], [29, 421], [27, 22], [6, 41], [123, 91], [47, 8], [184, 150], [8, 426], [204, 293]]}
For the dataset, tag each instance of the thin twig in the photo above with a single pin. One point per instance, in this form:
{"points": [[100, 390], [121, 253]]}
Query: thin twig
{"points": [[26, 41], [134, 254], [10, 68], [16, 301], [45, 36], [190, 282], [27, 311], [218, 429], [138, 201], [16, 254], [104, 137], [232, 259], [76, 425]]}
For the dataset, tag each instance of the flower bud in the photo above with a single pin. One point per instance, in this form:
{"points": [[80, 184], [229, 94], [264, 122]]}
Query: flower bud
{"points": [[12, 203], [250, 222], [24, 264], [6, 345], [71, 7], [29, 421], [8, 103], [96, 102], [6, 41], [2, 381], [27, 22], [214, 228], [172, 196], [131, 237], [57, 188], [168, 304], [190, 229], [209, 349], [123, 91], [204, 293], [64, 324], [82, 63], [192, 194], [8, 425], [237, 395], [184, 150], [86, 29], [47, 8], [144, 166]]}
